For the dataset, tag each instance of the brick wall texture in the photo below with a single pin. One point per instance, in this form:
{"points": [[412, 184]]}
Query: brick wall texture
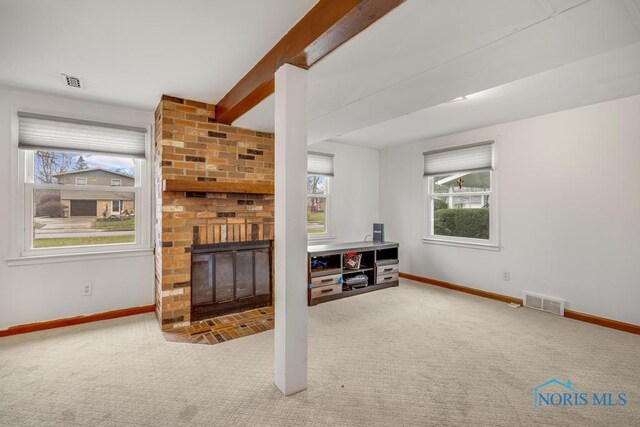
{"points": [[190, 145]]}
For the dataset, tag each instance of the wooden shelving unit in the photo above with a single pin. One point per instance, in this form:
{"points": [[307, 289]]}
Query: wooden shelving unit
{"points": [[326, 283]]}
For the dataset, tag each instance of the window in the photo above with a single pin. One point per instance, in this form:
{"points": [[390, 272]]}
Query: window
{"points": [[461, 202], [317, 194], [320, 170], [67, 213]]}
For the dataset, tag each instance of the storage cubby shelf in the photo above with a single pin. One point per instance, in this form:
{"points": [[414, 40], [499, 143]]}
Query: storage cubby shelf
{"points": [[331, 258], [360, 270]]}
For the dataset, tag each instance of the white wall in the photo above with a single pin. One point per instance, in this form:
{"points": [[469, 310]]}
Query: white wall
{"points": [[354, 192], [34, 293], [569, 190]]}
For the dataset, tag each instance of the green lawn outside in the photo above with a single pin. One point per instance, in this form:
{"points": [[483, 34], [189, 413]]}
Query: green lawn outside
{"points": [[115, 225], [315, 218], [50, 242]]}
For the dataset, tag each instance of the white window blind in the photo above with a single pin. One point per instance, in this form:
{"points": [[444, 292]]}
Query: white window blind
{"points": [[39, 132], [459, 159], [320, 164]]}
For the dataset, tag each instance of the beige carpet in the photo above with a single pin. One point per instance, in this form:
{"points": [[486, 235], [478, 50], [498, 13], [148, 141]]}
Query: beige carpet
{"points": [[413, 355]]}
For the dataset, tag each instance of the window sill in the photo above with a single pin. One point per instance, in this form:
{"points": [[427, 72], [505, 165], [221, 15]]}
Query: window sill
{"points": [[88, 256], [319, 239], [469, 245]]}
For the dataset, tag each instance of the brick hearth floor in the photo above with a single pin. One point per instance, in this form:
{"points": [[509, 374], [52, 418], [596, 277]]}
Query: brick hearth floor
{"points": [[225, 328]]}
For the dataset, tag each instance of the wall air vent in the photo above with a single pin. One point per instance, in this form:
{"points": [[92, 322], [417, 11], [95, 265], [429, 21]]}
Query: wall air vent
{"points": [[543, 303], [72, 81]]}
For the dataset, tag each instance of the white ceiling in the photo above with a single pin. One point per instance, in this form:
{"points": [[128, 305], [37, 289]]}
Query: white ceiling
{"points": [[611, 75], [131, 52], [391, 83], [388, 85]]}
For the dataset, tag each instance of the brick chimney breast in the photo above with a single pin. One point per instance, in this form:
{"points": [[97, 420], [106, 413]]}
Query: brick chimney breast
{"points": [[190, 145]]}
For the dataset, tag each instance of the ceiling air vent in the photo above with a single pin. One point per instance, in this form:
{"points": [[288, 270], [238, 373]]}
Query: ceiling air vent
{"points": [[543, 303], [72, 81]]}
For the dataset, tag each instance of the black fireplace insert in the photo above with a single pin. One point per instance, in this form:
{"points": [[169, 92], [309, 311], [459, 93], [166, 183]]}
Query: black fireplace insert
{"points": [[230, 277]]}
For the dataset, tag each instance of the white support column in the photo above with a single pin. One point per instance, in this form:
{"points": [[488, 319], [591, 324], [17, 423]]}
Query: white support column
{"points": [[290, 361]]}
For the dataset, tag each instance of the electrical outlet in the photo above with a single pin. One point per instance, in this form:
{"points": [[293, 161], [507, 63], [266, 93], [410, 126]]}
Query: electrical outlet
{"points": [[506, 276], [86, 290]]}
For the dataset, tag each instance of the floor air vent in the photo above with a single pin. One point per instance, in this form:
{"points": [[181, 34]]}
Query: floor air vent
{"points": [[543, 303]]}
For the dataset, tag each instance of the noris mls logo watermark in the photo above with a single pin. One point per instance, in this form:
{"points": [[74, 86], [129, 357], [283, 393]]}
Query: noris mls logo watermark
{"points": [[557, 393]]}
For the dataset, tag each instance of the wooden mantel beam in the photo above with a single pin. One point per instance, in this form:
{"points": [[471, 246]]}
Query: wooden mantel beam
{"points": [[216, 187], [328, 25]]}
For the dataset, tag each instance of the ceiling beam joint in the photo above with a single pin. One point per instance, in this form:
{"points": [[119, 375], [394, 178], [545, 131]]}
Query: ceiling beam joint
{"points": [[328, 25]]}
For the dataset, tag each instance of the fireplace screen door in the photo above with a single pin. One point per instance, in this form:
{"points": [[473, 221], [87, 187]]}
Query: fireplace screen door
{"points": [[230, 277]]}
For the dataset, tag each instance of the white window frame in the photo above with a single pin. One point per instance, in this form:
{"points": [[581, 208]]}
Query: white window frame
{"points": [[22, 184], [113, 182], [327, 215], [428, 236], [80, 179], [113, 211]]}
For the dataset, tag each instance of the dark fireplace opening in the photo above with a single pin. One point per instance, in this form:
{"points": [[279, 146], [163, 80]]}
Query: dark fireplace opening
{"points": [[230, 277]]}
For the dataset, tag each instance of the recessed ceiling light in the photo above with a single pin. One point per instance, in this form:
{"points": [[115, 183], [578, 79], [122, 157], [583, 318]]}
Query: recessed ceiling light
{"points": [[72, 81]]}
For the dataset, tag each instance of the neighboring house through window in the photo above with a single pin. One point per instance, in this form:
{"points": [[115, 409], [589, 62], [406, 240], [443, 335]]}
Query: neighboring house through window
{"points": [[320, 169], [461, 199], [78, 179]]}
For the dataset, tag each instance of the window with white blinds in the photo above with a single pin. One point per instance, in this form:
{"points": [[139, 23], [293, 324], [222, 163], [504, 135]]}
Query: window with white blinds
{"points": [[320, 169], [467, 158], [461, 201], [320, 164], [48, 133], [87, 172]]}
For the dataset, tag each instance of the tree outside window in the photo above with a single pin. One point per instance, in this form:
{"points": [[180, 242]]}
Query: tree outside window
{"points": [[317, 197]]}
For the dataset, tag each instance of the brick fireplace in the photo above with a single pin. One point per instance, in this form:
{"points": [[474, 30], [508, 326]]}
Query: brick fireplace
{"points": [[208, 190]]}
